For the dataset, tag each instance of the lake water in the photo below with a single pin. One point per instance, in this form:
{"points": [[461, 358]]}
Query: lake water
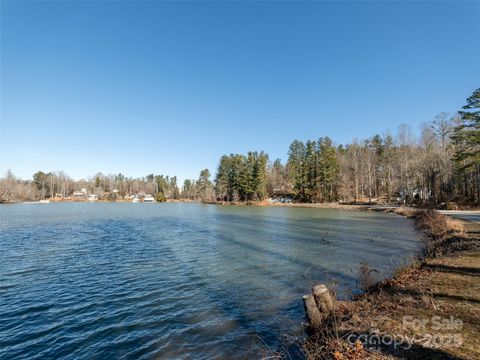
{"points": [[150, 281]]}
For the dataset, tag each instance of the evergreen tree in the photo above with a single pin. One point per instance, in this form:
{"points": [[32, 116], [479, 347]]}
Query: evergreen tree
{"points": [[467, 134], [247, 185], [205, 186], [161, 187], [466, 137], [310, 171], [327, 168], [175, 191], [296, 168], [222, 179], [188, 189], [235, 178], [259, 174]]}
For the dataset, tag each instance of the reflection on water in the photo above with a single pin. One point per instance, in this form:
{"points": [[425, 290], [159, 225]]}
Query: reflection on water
{"points": [[92, 280]]}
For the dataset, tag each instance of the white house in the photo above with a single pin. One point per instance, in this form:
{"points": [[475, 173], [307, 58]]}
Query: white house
{"points": [[82, 192], [148, 199]]}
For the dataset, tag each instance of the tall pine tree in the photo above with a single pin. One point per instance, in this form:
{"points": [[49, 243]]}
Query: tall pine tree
{"points": [[466, 137]]}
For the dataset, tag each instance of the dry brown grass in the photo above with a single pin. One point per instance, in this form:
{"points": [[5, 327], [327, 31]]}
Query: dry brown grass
{"points": [[367, 276], [443, 287], [338, 349], [455, 225], [410, 264], [406, 211], [444, 235], [329, 342], [433, 224], [438, 226], [439, 285]]}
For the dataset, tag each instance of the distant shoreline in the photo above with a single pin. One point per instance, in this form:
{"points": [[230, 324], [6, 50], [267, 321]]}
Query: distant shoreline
{"points": [[326, 205], [331, 205]]}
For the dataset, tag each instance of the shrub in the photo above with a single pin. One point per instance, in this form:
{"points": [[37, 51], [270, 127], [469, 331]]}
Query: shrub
{"points": [[444, 234], [437, 225], [434, 224], [159, 197], [366, 276], [406, 211]]}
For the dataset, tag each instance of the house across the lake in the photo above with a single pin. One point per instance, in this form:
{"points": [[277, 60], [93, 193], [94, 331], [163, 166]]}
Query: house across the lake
{"points": [[82, 192], [148, 199]]}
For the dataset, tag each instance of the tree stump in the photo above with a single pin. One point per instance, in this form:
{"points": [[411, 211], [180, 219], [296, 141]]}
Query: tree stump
{"points": [[311, 310], [323, 299]]}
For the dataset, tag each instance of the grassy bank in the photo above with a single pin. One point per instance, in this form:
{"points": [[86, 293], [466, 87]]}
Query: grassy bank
{"points": [[429, 310], [333, 205]]}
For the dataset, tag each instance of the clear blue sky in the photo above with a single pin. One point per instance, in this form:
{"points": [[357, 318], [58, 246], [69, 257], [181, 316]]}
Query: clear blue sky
{"points": [[168, 87]]}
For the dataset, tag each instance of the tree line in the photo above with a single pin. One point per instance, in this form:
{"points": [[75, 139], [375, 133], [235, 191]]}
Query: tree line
{"points": [[441, 164]]}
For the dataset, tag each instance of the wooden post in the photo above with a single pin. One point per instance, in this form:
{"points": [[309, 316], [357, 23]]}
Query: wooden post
{"points": [[323, 299], [311, 310]]}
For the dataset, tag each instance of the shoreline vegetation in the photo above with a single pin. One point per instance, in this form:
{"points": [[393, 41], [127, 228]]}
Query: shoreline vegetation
{"points": [[392, 208], [430, 308], [439, 167]]}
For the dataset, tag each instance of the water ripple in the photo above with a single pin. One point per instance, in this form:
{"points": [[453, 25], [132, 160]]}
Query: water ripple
{"points": [[81, 281]]}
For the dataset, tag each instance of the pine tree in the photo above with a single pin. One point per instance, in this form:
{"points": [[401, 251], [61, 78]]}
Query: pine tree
{"points": [[328, 168], [466, 137], [205, 186], [260, 176], [310, 171], [222, 183], [467, 134], [296, 166]]}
